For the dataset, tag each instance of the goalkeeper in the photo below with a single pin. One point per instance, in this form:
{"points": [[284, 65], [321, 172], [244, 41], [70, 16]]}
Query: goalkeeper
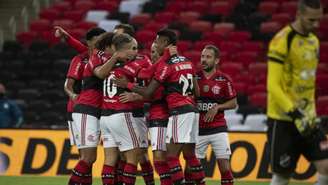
{"points": [[293, 126]]}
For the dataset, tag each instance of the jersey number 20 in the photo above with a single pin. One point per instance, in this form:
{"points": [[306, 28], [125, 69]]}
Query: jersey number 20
{"points": [[187, 84]]}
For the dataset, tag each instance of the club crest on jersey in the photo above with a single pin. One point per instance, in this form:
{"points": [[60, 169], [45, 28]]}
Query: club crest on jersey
{"points": [[206, 88], [216, 89]]}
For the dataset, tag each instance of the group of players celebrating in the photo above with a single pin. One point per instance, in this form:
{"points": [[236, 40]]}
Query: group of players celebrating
{"points": [[109, 83]]}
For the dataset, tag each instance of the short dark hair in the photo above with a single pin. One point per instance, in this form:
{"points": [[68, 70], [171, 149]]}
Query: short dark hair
{"points": [[214, 49], [93, 32], [119, 40], [104, 41], [315, 4], [170, 34], [128, 29]]}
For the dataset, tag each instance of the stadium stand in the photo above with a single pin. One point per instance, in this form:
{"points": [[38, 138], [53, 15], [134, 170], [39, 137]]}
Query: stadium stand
{"points": [[33, 67]]}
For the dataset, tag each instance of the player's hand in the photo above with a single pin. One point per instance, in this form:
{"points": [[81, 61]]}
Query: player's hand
{"points": [[121, 82], [128, 97], [74, 97], [60, 32], [307, 125], [120, 56], [210, 115], [173, 50]]}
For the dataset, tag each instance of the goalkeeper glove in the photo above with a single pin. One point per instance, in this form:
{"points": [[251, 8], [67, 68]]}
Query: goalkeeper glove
{"points": [[306, 125]]}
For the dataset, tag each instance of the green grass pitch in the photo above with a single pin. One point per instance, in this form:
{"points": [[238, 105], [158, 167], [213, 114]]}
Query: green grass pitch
{"points": [[62, 180]]}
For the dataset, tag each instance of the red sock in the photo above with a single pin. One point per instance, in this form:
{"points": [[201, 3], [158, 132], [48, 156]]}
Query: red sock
{"points": [[163, 171], [129, 174], [195, 169], [81, 174], [175, 169], [147, 173], [188, 178], [119, 172], [227, 178], [108, 175]]}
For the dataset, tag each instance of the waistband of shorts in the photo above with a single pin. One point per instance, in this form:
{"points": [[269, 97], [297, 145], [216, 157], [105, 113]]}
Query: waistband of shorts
{"points": [[86, 109], [137, 113], [214, 130], [183, 109], [271, 120], [157, 123], [108, 112]]}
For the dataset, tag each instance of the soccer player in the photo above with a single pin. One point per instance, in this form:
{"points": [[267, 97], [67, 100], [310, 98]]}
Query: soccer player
{"points": [[73, 80], [292, 63], [177, 76], [118, 127], [216, 95], [86, 113]]}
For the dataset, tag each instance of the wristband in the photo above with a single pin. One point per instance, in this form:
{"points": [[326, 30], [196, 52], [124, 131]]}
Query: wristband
{"points": [[130, 85]]}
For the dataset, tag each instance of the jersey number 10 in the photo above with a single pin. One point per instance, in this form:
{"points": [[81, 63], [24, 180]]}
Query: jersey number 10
{"points": [[110, 89]]}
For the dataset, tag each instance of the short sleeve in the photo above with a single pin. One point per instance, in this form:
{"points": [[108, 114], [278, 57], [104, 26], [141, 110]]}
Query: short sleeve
{"points": [[97, 59], [162, 72], [229, 90], [278, 49], [75, 70]]}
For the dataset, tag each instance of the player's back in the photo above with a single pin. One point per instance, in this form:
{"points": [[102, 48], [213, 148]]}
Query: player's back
{"points": [[176, 75]]}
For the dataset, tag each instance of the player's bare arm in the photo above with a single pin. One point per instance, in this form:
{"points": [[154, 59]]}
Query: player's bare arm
{"points": [[146, 92], [230, 104], [196, 87], [103, 70], [130, 97], [68, 88]]}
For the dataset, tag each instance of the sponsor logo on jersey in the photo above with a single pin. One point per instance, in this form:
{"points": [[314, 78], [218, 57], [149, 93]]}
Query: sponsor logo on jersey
{"points": [[206, 88], [216, 89], [205, 106]]}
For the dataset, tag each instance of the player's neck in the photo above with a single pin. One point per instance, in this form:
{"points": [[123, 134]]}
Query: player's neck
{"points": [[296, 25], [209, 73]]}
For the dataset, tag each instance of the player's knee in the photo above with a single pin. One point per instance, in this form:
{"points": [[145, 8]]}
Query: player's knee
{"points": [[159, 155], [89, 158], [322, 169]]}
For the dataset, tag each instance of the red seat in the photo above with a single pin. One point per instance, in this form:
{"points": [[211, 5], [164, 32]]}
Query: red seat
{"points": [[50, 14], [268, 7], [144, 36], [165, 17], [224, 28], [230, 47], [62, 6], [78, 33], [154, 26], [257, 68], [216, 37], [188, 17], [199, 45], [322, 105], [240, 87], [269, 27], [289, 7], [40, 25], [231, 69], [110, 6], [26, 38], [85, 25], [74, 15], [259, 100], [256, 88], [322, 68], [321, 84], [220, 8], [64, 23], [198, 6], [201, 26], [49, 36], [253, 46], [194, 56], [84, 5], [281, 18], [140, 19], [246, 58], [184, 46], [176, 6], [324, 47], [239, 36]]}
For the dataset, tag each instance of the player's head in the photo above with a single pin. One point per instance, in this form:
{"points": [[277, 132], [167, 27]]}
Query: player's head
{"points": [[2, 90], [165, 37], [125, 43], [104, 42], [153, 53], [210, 57], [124, 28], [309, 14], [92, 35]]}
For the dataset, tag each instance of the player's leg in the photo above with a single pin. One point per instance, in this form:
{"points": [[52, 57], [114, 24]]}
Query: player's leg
{"points": [[283, 142], [147, 170], [157, 133], [221, 147], [201, 149], [111, 153], [86, 135], [119, 168]]}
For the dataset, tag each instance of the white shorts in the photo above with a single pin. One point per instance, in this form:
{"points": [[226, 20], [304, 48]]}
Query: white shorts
{"points": [[219, 142], [143, 131], [183, 128], [157, 138], [84, 130], [119, 130]]}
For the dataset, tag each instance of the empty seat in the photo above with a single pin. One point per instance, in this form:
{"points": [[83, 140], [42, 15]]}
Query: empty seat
{"points": [[183, 46], [231, 68], [40, 25], [26, 38], [239, 36], [192, 55], [96, 15], [74, 15], [84, 5], [253, 46], [67, 24], [165, 17], [176, 6], [140, 19], [199, 45], [282, 18], [110, 6], [132, 7], [85, 25], [246, 58], [62, 6], [188, 17], [201, 26], [256, 122], [50, 14], [224, 27], [257, 68], [240, 87], [259, 100], [220, 8], [322, 104], [289, 7], [154, 26], [270, 27], [198, 6], [144, 36], [108, 25], [268, 7], [258, 88]]}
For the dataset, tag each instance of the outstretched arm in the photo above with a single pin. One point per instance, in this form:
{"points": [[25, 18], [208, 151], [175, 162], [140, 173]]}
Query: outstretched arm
{"points": [[73, 42]]}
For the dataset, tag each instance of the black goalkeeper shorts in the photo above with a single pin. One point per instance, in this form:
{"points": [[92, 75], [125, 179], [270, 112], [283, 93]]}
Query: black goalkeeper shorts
{"points": [[286, 146]]}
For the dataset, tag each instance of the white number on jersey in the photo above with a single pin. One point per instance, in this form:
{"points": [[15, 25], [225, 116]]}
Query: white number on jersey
{"points": [[110, 89], [187, 84]]}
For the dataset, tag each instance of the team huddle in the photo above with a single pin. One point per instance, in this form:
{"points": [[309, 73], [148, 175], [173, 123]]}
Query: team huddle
{"points": [[109, 83]]}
